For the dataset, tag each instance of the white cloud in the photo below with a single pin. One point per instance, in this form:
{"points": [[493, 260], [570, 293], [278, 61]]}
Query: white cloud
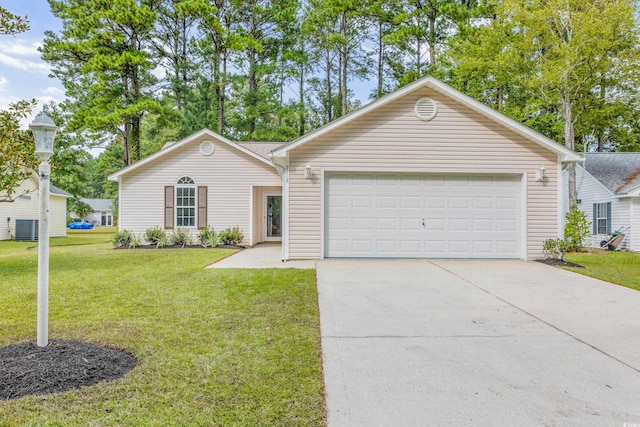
{"points": [[21, 47], [23, 64], [55, 92]]}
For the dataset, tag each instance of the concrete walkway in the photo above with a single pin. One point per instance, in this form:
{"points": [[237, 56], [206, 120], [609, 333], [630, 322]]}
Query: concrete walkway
{"points": [[264, 255], [476, 343]]}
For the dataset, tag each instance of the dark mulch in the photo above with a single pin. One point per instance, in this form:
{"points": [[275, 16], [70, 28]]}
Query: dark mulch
{"points": [[558, 263], [182, 247], [26, 369]]}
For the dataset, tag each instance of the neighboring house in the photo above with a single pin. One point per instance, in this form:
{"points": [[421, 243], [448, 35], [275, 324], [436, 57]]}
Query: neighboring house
{"points": [[425, 171], [102, 211], [27, 207], [609, 193]]}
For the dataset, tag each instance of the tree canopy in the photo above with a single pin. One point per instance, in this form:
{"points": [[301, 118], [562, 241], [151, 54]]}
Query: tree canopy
{"points": [[141, 72]]}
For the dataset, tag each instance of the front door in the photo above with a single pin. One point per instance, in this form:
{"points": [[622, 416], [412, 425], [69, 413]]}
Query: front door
{"points": [[273, 217]]}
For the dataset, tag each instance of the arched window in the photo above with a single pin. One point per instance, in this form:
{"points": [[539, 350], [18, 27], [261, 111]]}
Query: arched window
{"points": [[186, 202]]}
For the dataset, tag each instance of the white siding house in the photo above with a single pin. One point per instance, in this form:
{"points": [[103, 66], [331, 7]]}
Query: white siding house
{"points": [[27, 207], [202, 180], [102, 211], [609, 193], [425, 171]]}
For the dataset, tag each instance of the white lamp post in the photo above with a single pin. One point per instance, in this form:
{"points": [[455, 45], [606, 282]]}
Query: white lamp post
{"points": [[44, 131]]}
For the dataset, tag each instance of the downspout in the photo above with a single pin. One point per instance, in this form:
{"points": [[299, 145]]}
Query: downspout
{"points": [[282, 166]]}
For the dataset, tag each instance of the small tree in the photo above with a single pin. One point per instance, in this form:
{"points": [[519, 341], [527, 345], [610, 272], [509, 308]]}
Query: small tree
{"points": [[576, 229], [79, 208]]}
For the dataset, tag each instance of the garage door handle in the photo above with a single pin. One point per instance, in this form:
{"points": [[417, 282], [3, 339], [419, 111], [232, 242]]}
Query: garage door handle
{"points": [[422, 222]]}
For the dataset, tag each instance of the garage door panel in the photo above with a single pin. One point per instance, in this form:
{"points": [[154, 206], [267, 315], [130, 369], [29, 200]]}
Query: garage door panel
{"points": [[422, 216], [362, 202]]}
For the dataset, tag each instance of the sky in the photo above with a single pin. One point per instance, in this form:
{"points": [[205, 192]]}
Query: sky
{"points": [[23, 75]]}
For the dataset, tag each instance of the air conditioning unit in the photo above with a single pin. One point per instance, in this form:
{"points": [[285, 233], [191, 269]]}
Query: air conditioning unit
{"points": [[27, 230]]}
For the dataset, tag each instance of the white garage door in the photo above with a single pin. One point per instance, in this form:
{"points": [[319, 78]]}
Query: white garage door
{"points": [[415, 216]]}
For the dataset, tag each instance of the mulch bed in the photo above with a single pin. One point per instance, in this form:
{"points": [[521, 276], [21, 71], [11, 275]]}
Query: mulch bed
{"points": [[558, 263], [183, 247], [26, 369]]}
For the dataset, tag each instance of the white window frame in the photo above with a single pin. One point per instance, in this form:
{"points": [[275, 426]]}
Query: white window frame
{"points": [[186, 183], [601, 215]]}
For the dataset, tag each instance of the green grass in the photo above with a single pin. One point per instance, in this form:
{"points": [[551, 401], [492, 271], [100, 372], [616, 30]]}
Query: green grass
{"points": [[622, 268], [216, 347]]}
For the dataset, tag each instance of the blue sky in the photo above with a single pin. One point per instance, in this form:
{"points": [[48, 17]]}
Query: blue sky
{"points": [[23, 75]]}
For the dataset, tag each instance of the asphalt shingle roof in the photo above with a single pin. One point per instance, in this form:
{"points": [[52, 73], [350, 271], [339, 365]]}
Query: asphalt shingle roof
{"points": [[261, 148], [55, 190], [99, 205], [619, 172]]}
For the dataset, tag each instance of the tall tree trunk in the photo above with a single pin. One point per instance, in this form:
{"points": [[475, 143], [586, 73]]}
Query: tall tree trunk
{"points": [[222, 99], [569, 142], [126, 138], [600, 131], [301, 121], [135, 137], [182, 106], [343, 64], [432, 42], [253, 90], [418, 60], [329, 94], [380, 60]]}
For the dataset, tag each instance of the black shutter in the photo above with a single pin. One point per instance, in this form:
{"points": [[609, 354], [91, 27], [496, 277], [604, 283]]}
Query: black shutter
{"points": [[169, 197], [609, 218], [202, 207], [595, 218]]}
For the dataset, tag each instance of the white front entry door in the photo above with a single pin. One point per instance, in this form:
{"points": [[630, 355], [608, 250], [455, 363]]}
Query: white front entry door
{"points": [[417, 216]]}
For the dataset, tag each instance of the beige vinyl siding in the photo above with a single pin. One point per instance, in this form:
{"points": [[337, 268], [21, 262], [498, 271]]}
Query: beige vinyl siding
{"points": [[229, 175], [29, 208], [393, 139]]}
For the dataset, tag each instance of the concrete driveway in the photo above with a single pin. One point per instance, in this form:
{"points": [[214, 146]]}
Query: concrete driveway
{"points": [[478, 343]]}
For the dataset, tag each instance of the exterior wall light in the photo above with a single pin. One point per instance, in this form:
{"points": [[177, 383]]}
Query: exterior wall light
{"points": [[540, 175], [308, 173]]}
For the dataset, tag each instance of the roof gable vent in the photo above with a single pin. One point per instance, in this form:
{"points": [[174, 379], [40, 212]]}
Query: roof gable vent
{"points": [[425, 109]]}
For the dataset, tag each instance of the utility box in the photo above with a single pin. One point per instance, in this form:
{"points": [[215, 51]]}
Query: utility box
{"points": [[27, 230]]}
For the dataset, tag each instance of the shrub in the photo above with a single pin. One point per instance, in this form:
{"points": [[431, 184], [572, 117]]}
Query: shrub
{"points": [[153, 235], [231, 236], [122, 238], [163, 242], [555, 248], [136, 241], [208, 237], [179, 237], [576, 229]]}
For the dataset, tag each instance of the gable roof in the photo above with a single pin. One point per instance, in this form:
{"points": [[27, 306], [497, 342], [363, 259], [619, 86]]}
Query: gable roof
{"points": [[446, 90], [263, 149], [171, 147], [99, 205], [618, 172], [58, 191]]}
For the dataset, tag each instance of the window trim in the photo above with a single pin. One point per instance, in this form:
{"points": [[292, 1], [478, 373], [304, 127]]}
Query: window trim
{"points": [[186, 182], [602, 218]]}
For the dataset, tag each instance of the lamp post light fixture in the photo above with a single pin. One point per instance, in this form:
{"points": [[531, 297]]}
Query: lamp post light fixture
{"points": [[44, 131]]}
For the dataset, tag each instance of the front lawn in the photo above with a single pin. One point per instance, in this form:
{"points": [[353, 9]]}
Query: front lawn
{"points": [[216, 347], [622, 268]]}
